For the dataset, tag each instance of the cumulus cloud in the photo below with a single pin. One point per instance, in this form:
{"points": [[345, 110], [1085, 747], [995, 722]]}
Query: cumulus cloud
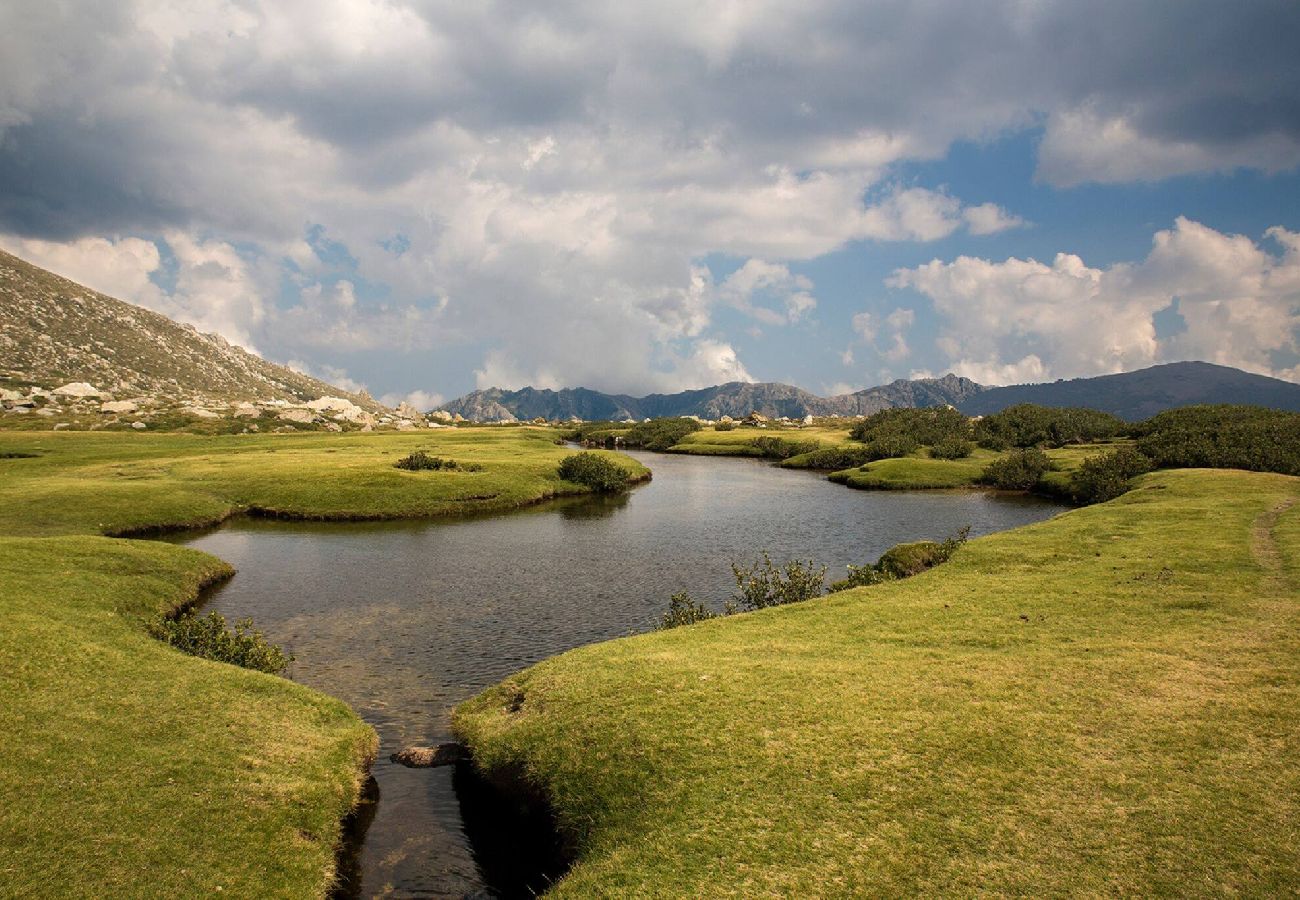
{"points": [[556, 175], [1022, 320]]}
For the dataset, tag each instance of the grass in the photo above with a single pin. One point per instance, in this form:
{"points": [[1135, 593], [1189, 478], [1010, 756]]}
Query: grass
{"points": [[737, 441], [132, 770], [920, 472], [1104, 703], [97, 483]]}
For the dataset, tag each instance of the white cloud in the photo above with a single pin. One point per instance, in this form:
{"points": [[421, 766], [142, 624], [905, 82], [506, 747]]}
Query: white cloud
{"points": [[1022, 320], [421, 400], [989, 218], [757, 286], [887, 336]]}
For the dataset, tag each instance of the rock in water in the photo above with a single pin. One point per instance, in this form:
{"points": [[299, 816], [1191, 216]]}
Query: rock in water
{"points": [[429, 757]]}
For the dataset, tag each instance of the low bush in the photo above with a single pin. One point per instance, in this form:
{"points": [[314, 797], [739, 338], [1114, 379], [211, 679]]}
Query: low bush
{"points": [[835, 458], [903, 561], [1102, 478], [660, 434], [952, 448], [1030, 425], [921, 426], [1019, 470], [207, 637], [420, 461], [682, 610], [892, 446], [725, 426], [596, 471], [780, 448], [765, 584], [1223, 437]]}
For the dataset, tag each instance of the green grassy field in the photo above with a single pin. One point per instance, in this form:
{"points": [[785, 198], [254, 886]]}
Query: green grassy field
{"points": [[1104, 703], [133, 770], [737, 441], [920, 472]]}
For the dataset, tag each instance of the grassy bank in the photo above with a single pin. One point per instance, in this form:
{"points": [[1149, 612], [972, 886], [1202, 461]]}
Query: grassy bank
{"points": [[1102, 703], [919, 472], [96, 483], [131, 769], [739, 441]]}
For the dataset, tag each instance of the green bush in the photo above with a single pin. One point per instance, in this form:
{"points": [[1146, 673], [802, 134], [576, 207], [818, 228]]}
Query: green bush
{"points": [[1223, 437], [725, 426], [660, 434], [207, 637], [420, 461], [891, 446], [921, 426], [1019, 470], [1030, 425], [952, 448], [903, 561], [764, 584], [1102, 478], [835, 458], [780, 448], [596, 471], [682, 610]]}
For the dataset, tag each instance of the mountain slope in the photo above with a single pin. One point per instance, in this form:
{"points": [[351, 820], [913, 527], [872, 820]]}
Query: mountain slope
{"points": [[1141, 394], [54, 331]]}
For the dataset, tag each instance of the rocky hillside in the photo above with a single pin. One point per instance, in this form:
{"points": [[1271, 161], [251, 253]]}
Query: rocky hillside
{"points": [[736, 399], [1139, 395], [77, 358]]}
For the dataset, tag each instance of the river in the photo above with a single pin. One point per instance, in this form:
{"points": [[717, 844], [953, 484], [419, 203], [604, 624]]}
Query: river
{"points": [[404, 620]]}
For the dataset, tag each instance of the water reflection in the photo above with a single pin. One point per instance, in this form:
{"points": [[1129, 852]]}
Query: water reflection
{"points": [[404, 620]]}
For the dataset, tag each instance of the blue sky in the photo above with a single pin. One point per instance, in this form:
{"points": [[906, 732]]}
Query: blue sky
{"points": [[422, 197]]}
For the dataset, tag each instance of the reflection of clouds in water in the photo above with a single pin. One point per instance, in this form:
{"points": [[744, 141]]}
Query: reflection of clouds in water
{"points": [[404, 620]]}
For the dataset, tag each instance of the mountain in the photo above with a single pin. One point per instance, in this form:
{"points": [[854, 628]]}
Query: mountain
{"points": [[736, 399], [1138, 395], [54, 331]]}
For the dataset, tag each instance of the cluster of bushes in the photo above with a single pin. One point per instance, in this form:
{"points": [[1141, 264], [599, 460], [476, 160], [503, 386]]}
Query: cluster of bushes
{"points": [[781, 448], [1019, 470], [1030, 425], [420, 461], [596, 471], [765, 584], [1222, 437], [917, 426], [208, 637], [1105, 477], [903, 561], [660, 434], [845, 456], [952, 448]]}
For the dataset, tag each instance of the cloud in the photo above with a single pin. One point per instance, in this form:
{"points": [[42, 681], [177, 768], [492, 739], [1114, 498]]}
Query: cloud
{"points": [[421, 400], [887, 336], [757, 281], [1022, 320]]}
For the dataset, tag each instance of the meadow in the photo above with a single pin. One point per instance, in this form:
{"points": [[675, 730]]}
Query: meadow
{"points": [[1104, 703]]}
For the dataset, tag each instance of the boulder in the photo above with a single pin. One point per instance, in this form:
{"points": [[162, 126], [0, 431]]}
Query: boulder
{"points": [[441, 415], [119, 406], [198, 412], [139, 426], [331, 404], [78, 389], [301, 416], [407, 411], [10, 396], [246, 411], [429, 757]]}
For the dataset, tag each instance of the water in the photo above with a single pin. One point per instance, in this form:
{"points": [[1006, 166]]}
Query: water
{"points": [[405, 620]]}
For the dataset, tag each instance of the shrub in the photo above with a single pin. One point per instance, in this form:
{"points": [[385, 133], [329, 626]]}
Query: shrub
{"points": [[1223, 437], [921, 426], [682, 610], [1030, 425], [1019, 470], [725, 426], [420, 461], [1102, 478], [207, 637], [596, 471], [952, 448], [835, 458], [660, 434], [780, 448], [764, 584], [891, 446], [903, 561]]}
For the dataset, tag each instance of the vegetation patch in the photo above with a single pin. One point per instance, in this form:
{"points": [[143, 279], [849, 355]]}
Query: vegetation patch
{"points": [[1019, 470], [208, 637], [420, 461], [596, 471], [1223, 437], [917, 426], [903, 561], [1105, 477], [1030, 425], [771, 447]]}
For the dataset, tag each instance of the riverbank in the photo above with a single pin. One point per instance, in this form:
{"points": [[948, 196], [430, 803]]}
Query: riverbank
{"points": [[132, 769], [1101, 703]]}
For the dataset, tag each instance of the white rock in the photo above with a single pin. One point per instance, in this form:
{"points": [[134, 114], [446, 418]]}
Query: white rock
{"points": [[405, 424], [139, 426], [246, 411], [46, 412], [407, 411], [119, 406], [77, 389], [199, 412], [59, 426], [301, 416], [10, 396], [331, 404], [441, 415]]}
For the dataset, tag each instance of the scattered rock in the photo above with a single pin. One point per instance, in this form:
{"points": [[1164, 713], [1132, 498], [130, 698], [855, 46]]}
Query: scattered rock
{"points": [[139, 426], [59, 426], [246, 411], [301, 416], [119, 406], [46, 412], [76, 389], [199, 412], [10, 396], [441, 415], [407, 411], [429, 757]]}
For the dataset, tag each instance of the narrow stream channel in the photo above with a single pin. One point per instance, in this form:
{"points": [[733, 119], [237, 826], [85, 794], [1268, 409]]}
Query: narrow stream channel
{"points": [[405, 620]]}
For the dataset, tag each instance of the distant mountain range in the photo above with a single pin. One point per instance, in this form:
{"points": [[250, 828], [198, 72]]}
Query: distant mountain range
{"points": [[1132, 396]]}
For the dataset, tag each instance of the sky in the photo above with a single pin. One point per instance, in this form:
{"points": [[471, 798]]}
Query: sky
{"points": [[424, 197]]}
